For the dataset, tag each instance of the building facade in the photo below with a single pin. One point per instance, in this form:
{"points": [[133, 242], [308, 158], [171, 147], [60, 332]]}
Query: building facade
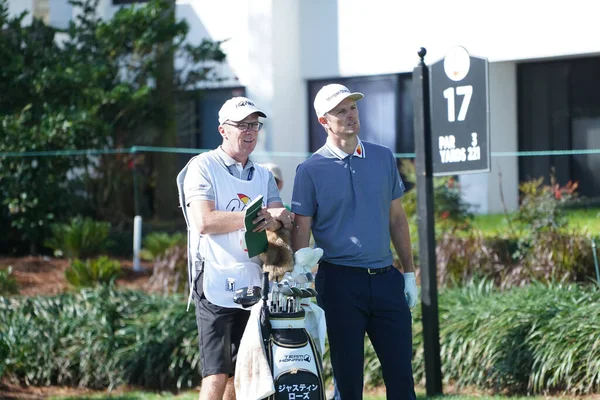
{"points": [[544, 75]]}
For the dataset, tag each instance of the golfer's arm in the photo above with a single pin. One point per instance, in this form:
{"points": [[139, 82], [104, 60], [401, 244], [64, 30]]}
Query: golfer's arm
{"points": [[276, 223], [400, 235], [210, 221], [301, 232]]}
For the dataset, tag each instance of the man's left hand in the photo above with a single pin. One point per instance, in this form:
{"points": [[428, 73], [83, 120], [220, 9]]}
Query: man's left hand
{"points": [[263, 221], [410, 289], [284, 216]]}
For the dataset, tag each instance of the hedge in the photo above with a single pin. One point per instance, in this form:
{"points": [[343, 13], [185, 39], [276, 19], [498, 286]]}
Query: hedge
{"points": [[534, 339]]}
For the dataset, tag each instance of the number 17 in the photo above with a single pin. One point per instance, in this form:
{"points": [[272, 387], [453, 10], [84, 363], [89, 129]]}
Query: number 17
{"points": [[466, 91]]}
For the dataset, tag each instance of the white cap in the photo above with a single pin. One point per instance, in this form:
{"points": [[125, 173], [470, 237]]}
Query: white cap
{"points": [[331, 95], [238, 108], [274, 170]]}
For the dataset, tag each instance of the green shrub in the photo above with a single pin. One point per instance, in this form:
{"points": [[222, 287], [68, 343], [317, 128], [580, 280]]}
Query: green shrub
{"points": [[157, 243], [566, 350], [510, 341], [90, 273], [8, 283], [451, 211], [462, 258], [100, 338], [169, 256], [81, 238], [4, 353], [169, 271], [537, 339], [541, 210], [542, 206], [564, 255]]}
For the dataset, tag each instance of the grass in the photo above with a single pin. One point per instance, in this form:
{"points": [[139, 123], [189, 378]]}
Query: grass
{"points": [[193, 395], [589, 219]]}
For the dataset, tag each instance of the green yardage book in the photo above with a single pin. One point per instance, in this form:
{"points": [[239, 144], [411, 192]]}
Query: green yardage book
{"points": [[256, 242]]}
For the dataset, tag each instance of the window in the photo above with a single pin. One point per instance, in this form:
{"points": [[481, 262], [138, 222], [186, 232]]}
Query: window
{"points": [[559, 109], [197, 118], [386, 113]]}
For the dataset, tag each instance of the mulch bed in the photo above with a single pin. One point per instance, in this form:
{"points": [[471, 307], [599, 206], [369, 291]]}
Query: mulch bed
{"points": [[42, 275]]}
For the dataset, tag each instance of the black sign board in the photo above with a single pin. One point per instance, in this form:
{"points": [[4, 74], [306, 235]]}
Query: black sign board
{"points": [[460, 139]]}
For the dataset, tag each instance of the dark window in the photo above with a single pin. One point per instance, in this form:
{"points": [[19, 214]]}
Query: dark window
{"points": [[559, 109], [386, 113], [197, 118]]}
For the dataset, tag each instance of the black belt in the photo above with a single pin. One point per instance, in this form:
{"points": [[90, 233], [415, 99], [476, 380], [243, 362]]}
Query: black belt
{"points": [[375, 271], [370, 271]]}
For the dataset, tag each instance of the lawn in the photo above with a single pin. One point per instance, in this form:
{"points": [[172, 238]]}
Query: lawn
{"points": [[193, 395], [492, 224]]}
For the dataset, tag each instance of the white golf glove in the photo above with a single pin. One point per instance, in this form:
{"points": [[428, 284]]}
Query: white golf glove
{"points": [[410, 289]]}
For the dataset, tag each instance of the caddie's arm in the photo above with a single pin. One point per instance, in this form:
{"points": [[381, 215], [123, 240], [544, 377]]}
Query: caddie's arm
{"points": [[210, 221], [301, 232]]}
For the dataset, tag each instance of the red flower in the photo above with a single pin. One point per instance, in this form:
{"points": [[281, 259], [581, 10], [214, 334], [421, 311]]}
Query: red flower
{"points": [[557, 195]]}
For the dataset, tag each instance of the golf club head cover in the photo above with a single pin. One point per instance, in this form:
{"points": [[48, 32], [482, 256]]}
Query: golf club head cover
{"points": [[306, 258], [298, 270], [279, 257], [410, 289]]}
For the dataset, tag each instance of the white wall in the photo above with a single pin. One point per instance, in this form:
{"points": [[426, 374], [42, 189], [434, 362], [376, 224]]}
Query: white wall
{"points": [[382, 36], [221, 20], [484, 190], [60, 13], [16, 7], [318, 20], [289, 127], [504, 137]]}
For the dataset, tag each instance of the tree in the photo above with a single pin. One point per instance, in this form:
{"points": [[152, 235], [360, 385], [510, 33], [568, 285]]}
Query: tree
{"points": [[95, 88]]}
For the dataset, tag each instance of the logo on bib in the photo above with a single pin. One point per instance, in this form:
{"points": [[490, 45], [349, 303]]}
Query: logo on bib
{"points": [[239, 203]]}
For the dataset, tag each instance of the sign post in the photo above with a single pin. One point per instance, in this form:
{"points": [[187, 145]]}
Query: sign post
{"points": [[460, 114], [427, 258], [451, 127]]}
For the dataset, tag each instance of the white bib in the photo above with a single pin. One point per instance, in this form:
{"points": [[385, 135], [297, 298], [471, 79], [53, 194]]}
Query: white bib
{"points": [[227, 266]]}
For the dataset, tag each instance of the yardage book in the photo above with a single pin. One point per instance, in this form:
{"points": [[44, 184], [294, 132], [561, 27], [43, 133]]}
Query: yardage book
{"points": [[256, 242]]}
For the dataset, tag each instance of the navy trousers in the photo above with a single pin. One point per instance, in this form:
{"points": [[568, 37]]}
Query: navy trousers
{"points": [[356, 303]]}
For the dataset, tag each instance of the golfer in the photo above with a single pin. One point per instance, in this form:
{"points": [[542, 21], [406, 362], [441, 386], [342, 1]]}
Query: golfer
{"points": [[348, 193]]}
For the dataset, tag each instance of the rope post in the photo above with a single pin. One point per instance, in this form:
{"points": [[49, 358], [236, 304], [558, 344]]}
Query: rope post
{"points": [[137, 242], [596, 261]]}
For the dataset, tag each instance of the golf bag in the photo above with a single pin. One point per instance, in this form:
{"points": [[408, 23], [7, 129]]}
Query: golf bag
{"points": [[291, 354], [294, 359]]}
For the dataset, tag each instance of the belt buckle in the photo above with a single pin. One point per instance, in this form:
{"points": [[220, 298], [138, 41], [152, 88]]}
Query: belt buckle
{"points": [[371, 273]]}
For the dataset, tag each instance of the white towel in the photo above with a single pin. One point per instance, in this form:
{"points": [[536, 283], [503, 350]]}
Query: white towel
{"points": [[253, 379], [314, 322]]}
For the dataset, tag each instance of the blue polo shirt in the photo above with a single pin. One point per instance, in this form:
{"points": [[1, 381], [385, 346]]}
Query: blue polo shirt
{"points": [[349, 198]]}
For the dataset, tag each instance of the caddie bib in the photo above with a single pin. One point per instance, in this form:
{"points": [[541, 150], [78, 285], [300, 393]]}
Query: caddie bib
{"points": [[227, 266]]}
